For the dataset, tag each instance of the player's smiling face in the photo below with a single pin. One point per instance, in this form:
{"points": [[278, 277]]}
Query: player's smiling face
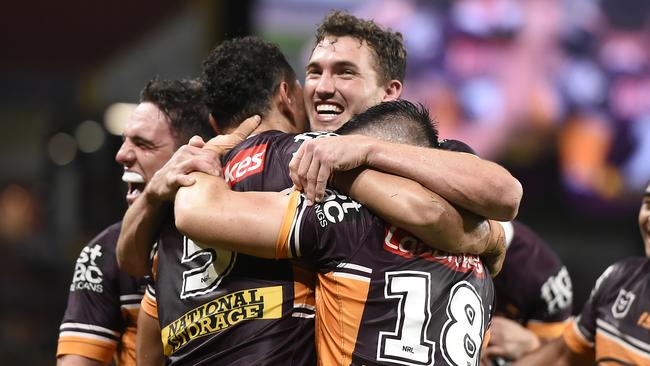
{"points": [[148, 145], [340, 81], [644, 220]]}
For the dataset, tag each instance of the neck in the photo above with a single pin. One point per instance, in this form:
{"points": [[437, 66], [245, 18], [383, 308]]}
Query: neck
{"points": [[274, 120]]}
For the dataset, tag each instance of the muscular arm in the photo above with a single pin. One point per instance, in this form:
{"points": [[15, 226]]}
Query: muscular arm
{"points": [[247, 222], [76, 360], [204, 212], [140, 225], [479, 186], [149, 350]]}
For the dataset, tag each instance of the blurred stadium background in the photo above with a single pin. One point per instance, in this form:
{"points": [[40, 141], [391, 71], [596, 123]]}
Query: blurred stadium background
{"points": [[558, 91]]}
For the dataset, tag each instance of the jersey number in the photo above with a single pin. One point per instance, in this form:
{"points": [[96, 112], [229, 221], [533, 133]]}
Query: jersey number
{"points": [[211, 266], [461, 335]]}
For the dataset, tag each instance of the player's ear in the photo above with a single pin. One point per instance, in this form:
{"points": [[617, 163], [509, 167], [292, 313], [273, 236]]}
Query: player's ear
{"points": [[286, 102], [393, 91], [214, 124]]}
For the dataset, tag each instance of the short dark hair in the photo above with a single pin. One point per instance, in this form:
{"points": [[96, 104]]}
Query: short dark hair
{"points": [[455, 145], [182, 101], [398, 121], [241, 76], [387, 46]]}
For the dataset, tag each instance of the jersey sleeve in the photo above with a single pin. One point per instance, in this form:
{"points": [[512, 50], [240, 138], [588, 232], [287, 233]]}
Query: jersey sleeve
{"points": [[92, 324], [325, 233], [581, 331]]}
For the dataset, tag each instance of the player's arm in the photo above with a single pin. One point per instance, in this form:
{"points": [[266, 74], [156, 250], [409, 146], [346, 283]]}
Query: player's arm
{"points": [[144, 217], [211, 214], [555, 352], [425, 214], [477, 185], [76, 360], [149, 350]]}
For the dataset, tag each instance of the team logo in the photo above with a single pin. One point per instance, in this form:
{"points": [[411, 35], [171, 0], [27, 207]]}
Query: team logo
{"points": [[87, 275], [244, 164], [623, 303], [557, 291]]}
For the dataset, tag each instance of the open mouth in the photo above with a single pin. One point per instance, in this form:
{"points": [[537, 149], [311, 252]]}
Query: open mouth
{"points": [[136, 185], [328, 109]]}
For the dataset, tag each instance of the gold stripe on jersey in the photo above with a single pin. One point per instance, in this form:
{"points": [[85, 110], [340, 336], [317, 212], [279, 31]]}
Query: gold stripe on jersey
{"points": [[222, 313], [337, 327], [608, 346], [576, 341], [547, 330], [126, 356], [282, 244], [149, 305], [303, 288], [95, 349]]}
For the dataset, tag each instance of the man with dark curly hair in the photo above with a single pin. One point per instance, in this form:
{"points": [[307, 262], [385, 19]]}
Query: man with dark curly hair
{"points": [[99, 325], [219, 306]]}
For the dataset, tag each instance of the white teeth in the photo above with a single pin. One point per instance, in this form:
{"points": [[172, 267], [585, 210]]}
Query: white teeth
{"points": [[132, 177], [328, 108]]}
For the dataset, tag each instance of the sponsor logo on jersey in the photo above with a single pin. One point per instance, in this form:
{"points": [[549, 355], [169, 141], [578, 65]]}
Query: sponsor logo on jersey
{"points": [[402, 243], [87, 274], [557, 292], [222, 313], [623, 303], [334, 208], [245, 164]]}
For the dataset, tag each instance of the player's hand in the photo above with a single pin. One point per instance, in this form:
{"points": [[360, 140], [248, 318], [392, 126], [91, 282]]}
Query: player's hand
{"points": [[175, 173], [495, 252], [316, 160], [223, 143], [510, 340]]}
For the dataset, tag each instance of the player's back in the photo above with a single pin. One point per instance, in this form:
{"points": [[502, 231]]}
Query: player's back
{"points": [[383, 297], [534, 287], [221, 307]]}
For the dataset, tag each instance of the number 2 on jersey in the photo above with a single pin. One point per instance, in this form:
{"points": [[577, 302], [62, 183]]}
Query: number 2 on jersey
{"points": [[461, 334], [212, 265]]}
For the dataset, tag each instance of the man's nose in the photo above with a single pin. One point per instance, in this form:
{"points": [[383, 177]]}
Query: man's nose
{"points": [[326, 86], [125, 154]]}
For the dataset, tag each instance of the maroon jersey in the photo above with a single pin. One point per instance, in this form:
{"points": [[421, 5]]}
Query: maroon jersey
{"points": [[103, 304], [218, 307], [383, 297], [534, 287], [615, 321]]}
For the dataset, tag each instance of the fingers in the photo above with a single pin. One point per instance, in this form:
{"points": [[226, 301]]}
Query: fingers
{"points": [[321, 182], [310, 181], [247, 127], [196, 141], [294, 165]]}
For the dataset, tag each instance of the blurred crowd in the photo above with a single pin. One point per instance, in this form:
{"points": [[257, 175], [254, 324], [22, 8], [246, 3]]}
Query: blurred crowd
{"points": [[521, 80]]}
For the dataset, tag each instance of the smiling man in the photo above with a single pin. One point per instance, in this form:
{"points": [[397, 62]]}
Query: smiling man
{"points": [[99, 324]]}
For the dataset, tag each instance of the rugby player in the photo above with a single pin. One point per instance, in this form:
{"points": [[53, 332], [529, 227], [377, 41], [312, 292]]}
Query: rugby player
{"points": [[99, 324], [369, 271], [614, 325]]}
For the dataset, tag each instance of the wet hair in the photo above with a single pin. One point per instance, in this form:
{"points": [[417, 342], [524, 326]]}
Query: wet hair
{"points": [[398, 121], [387, 46], [241, 76], [182, 101]]}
